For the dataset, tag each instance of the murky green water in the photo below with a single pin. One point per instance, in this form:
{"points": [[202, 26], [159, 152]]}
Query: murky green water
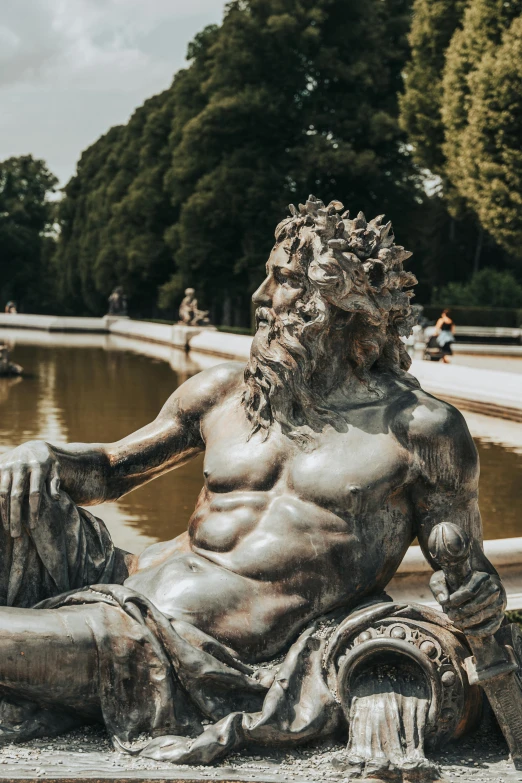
{"points": [[95, 389]]}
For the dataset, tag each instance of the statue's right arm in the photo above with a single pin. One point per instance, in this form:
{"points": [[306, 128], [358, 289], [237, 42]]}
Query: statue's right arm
{"points": [[93, 473]]}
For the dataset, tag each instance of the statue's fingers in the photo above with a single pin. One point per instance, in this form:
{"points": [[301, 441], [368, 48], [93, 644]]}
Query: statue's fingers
{"points": [[476, 605], [439, 587], [17, 498], [35, 496], [486, 626], [54, 483], [469, 590], [488, 613], [5, 493]]}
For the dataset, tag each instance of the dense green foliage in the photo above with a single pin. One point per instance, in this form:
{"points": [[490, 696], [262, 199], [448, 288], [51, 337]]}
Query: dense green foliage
{"points": [[283, 99], [117, 208], [433, 25], [488, 288], [461, 108], [472, 46], [484, 149], [26, 223], [114, 214], [448, 249], [287, 97], [300, 99], [476, 315]]}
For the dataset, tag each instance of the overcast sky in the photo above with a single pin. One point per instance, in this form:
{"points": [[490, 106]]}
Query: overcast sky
{"points": [[69, 69]]}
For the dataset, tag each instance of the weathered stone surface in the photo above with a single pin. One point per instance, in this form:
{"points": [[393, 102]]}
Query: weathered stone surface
{"points": [[87, 755]]}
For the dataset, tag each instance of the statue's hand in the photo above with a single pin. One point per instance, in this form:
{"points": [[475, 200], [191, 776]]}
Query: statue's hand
{"points": [[25, 473], [477, 607]]}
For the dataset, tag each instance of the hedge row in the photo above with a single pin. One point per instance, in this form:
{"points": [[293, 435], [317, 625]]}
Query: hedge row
{"points": [[477, 316]]}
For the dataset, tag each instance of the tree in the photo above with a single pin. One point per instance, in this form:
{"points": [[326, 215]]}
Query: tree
{"points": [[484, 23], [285, 98], [84, 214], [488, 288], [446, 248], [487, 157], [111, 217], [433, 26], [27, 217], [116, 209], [450, 41], [301, 98]]}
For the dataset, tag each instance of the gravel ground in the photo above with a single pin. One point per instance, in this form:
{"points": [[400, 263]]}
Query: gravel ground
{"points": [[89, 754]]}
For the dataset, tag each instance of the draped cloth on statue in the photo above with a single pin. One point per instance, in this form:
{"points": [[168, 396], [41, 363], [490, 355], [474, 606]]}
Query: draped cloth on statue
{"points": [[197, 703], [167, 680], [68, 548], [186, 692]]}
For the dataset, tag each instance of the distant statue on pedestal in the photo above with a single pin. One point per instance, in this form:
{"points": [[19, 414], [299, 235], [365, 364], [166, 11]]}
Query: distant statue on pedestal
{"points": [[117, 302], [7, 368], [10, 308], [189, 314]]}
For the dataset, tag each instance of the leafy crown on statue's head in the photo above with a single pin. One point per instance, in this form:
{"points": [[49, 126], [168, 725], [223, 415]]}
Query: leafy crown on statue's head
{"points": [[356, 265]]}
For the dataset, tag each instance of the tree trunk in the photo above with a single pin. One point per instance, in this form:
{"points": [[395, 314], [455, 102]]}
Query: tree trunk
{"points": [[227, 310], [478, 250]]}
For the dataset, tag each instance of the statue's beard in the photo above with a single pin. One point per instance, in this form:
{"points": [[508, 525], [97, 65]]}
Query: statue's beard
{"points": [[279, 376]]}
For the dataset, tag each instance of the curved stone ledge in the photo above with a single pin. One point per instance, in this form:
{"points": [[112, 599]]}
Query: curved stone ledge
{"points": [[52, 323], [490, 392]]}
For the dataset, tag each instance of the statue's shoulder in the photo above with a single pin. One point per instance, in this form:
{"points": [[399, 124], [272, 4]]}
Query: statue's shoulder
{"points": [[437, 437], [211, 386], [427, 420]]}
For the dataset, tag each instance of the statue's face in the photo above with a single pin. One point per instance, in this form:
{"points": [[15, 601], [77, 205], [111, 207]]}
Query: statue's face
{"points": [[284, 285]]}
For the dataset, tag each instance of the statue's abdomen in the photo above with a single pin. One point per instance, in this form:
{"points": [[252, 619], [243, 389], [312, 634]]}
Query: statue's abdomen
{"points": [[222, 521]]}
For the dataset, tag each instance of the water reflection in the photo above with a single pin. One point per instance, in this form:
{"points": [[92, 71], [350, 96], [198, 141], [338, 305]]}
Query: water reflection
{"points": [[97, 388]]}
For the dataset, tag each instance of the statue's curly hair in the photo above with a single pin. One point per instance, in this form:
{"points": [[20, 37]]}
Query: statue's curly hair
{"points": [[364, 272], [355, 286]]}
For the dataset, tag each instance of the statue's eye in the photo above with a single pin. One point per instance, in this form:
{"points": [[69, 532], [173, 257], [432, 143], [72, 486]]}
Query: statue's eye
{"points": [[289, 280]]}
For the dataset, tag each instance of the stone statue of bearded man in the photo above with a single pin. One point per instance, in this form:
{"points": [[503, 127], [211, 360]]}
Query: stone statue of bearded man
{"points": [[323, 461]]}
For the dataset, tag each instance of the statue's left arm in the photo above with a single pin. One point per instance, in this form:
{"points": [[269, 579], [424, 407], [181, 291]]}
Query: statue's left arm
{"points": [[445, 489], [92, 473]]}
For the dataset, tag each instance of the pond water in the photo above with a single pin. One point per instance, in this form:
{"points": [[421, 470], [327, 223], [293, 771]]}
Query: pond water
{"points": [[96, 388]]}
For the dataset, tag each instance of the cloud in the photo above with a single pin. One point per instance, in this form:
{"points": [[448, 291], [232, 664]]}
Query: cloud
{"points": [[28, 42], [78, 41], [69, 69]]}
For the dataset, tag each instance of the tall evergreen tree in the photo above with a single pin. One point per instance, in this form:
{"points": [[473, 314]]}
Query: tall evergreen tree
{"points": [[84, 213], [110, 216], [433, 26], [484, 23], [287, 97], [301, 98], [486, 155], [27, 216], [449, 38]]}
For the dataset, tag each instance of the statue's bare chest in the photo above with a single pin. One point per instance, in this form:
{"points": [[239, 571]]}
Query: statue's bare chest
{"points": [[344, 470]]}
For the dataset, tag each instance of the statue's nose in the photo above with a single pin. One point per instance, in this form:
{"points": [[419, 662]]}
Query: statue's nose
{"points": [[263, 296]]}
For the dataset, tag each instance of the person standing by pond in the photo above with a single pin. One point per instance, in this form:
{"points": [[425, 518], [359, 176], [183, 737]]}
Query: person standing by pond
{"points": [[445, 333]]}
